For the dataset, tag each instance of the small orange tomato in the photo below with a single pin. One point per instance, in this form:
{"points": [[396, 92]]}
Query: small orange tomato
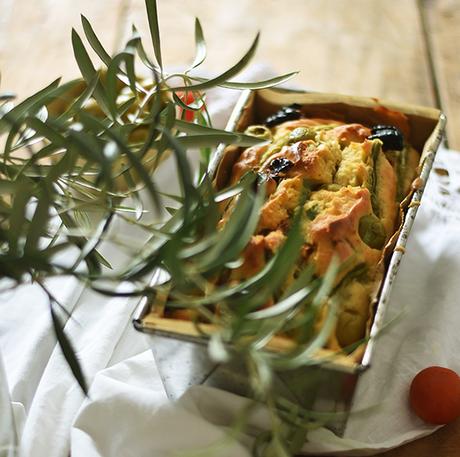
{"points": [[188, 98], [435, 395]]}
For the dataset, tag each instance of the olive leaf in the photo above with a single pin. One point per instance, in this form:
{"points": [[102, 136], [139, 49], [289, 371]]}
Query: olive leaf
{"points": [[38, 224], [93, 40], [230, 73], [142, 54], [152, 15], [99, 151], [29, 104], [68, 350], [89, 73], [192, 106], [112, 76], [78, 103], [200, 54], [17, 218], [253, 85], [227, 137]]}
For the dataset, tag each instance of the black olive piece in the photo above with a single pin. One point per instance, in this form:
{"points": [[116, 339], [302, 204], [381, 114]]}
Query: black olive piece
{"points": [[379, 127], [391, 139], [287, 113], [290, 108], [280, 165]]}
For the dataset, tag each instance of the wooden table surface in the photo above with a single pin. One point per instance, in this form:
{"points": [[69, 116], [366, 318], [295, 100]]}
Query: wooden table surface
{"points": [[400, 50]]}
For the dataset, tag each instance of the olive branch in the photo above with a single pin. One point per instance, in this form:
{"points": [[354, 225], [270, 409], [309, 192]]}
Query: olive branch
{"points": [[79, 156]]}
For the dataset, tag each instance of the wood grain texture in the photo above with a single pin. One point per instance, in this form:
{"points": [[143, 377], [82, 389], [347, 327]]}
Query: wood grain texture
{"points": [[359, 47], [442, 19], [35, 42], [443, 443]]}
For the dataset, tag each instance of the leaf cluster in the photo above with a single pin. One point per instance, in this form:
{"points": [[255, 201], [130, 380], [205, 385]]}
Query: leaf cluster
{"points": [[79, 155]]}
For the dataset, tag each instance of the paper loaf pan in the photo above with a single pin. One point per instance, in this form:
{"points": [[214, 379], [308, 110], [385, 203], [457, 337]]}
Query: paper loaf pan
{"points": [[181, 352]]}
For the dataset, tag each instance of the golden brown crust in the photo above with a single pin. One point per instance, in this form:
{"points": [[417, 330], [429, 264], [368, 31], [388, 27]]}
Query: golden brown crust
{"points": [[253, 259], [354, 168], [289, 126], [348, 133], [314, 162], [274, 240], [351, 210], [276, 211], [248, 160], [335, 231]]}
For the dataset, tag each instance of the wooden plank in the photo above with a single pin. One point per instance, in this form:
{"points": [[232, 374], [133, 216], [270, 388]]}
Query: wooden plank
{"points": [[35, 42], [442, 443], [442, 19], [358, 47]]}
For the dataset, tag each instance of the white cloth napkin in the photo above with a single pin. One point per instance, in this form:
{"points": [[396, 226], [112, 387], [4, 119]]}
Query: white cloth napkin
{"points": [[127, 412]]}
